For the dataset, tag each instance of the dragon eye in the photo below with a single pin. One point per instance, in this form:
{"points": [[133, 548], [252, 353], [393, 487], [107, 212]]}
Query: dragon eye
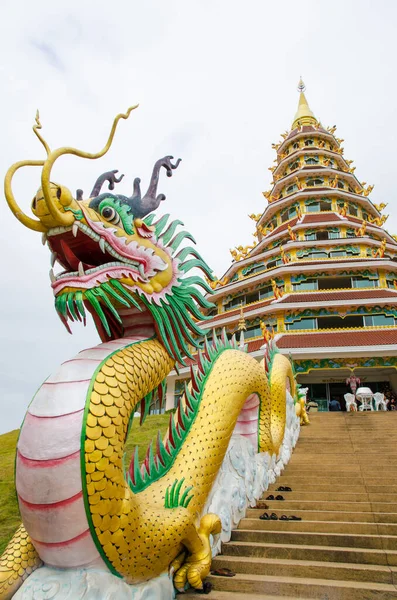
{"points": [[110, 214]]}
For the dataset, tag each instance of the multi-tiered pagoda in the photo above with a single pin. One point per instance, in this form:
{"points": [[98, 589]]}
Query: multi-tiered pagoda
{"points": [[321, 276]]}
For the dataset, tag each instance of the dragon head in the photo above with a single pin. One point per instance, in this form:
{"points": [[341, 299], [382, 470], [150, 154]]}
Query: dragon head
{"points": [[118, 262]]}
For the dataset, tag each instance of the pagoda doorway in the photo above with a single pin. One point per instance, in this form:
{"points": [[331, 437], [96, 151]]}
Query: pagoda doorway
{"points": [[337, 392]]}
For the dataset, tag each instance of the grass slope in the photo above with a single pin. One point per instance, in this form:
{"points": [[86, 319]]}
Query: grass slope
{"points": [[9, 513]]}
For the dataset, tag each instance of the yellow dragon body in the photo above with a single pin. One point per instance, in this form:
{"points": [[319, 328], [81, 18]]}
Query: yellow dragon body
{"points": [[80, 505]]}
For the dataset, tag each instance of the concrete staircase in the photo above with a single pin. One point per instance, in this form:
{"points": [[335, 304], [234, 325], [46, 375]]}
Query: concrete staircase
{"points": [[343, 476]]}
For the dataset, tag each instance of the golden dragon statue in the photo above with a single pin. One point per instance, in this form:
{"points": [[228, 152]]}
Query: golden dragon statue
{"points": [[79, 502]]}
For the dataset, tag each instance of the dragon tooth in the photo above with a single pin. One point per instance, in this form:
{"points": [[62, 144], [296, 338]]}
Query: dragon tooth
{"points": [[141, 270], [54, 256], [52, 276], [44, 238], [75, 228], [81, 269], [102, 245]]}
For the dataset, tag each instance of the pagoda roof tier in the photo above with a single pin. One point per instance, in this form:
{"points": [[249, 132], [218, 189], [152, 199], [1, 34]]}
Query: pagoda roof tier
{"points": [[261, 252], [379, 337], [334, 265], [315, 220], [315, 170], [313, 192], [308, 151], [304, 300], [325, 297], [348, 343], [298, 133]]}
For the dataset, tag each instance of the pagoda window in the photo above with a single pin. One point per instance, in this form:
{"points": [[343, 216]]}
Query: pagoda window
{"points": [[316, 254], [313, 207], [253, 331], [274, 263], [365, 215], [266, 292], [364, 282], [254, 297], [325, 204], [311, 160], [379, 320], [294, 165], [235, 302], [350, 233], [322, 235], [309, 284], [334, 283], [306, 323], [309, 237], [291, 188], [337, 322], [180, 389], [341, 185], [288, 214], [313, 181], [334, 234], [296, 146], [309, 142], [352, 210], [255, 269]]}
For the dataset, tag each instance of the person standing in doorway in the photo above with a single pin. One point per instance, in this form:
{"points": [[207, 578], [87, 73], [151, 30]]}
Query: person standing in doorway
{"points": [[334, 405]]}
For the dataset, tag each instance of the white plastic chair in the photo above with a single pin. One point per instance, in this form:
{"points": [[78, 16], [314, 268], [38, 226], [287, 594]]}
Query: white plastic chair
{"points": [[350, 402], [380, 401]]}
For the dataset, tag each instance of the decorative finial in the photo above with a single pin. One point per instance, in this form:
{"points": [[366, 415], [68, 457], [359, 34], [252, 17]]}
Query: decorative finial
{"points": [[301, 85], [241, 323]]}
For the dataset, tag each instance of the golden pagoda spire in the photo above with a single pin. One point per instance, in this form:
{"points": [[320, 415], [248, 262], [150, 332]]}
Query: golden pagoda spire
{"points": [[304, 115]]}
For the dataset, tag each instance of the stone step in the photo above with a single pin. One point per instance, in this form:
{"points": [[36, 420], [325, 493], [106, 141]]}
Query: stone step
{"points": [[350, 462], [286, 477], [306, 525], [314, 495], [343, 475], [385, 542], [219, 595], [371, 556], [292, 480], [325, 486], [381, 507], [328, 515], [302, 588], [388, 472], [306, 568], [331, 496]]}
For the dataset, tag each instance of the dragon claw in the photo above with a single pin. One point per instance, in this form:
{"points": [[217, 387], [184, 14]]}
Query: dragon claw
{"points": [[198, 565]]}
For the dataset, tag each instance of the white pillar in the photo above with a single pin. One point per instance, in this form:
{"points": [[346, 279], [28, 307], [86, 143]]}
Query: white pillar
{"points": [[170, 396]]}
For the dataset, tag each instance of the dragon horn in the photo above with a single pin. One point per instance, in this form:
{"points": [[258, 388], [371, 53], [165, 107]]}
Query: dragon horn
{"points": [[34, 224], [63, 218]]}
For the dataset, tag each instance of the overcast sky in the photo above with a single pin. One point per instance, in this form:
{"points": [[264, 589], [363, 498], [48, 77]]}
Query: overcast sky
{"points": [[216, 82]]}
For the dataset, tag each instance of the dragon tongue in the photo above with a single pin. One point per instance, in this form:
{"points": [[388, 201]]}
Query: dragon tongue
{"points": [[70, 256]]}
